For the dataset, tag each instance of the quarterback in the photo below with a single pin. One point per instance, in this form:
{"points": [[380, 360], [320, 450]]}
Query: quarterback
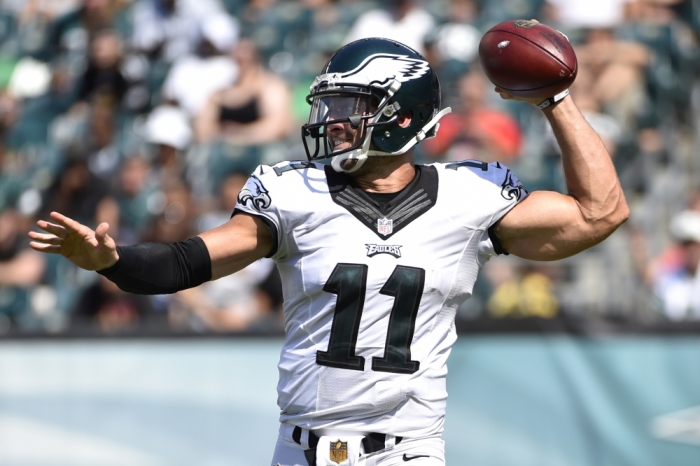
{"points": [[375, 252]]}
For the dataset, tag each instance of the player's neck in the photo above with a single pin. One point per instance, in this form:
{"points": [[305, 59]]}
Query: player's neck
{"points": [[386, 174]]}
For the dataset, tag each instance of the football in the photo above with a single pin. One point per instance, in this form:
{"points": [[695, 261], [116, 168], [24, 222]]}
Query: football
{"points": [[528, 59]]}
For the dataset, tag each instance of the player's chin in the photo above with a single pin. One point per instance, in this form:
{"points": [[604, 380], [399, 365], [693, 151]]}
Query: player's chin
{"points": [[341, 146]]}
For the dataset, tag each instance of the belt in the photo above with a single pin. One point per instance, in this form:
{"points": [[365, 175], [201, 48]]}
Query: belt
{"points": [[371, 442]]}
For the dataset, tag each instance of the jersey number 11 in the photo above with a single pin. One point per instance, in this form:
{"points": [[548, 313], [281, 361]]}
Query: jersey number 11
{"points": [[348, 282]]}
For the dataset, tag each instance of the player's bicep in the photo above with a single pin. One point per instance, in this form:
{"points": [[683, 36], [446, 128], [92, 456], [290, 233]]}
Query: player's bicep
{"points": [[546, 226], [237, 243]]}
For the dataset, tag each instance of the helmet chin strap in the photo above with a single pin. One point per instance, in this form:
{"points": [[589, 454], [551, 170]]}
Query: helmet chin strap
{"points": [[359, 156], [354, 156]]}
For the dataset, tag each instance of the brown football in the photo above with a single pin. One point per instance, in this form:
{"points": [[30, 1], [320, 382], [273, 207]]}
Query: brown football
{"points": [[528, 59]]}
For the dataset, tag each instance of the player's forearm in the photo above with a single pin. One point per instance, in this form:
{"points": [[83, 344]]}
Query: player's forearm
{"points": [[588, 169], [156, 268]]}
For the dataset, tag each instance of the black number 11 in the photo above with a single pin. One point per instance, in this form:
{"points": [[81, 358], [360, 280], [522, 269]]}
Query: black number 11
{"points": [[349, 282]]}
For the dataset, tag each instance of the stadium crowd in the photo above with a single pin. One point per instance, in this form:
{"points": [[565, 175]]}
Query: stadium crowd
{"points": [[150, 114]]}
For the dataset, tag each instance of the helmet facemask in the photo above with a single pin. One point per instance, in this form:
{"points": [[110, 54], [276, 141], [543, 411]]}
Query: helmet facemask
{"points": [[342, 120]]}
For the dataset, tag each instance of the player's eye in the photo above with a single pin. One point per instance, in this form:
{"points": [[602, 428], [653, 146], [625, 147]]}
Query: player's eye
{"points": [[343, 107]]}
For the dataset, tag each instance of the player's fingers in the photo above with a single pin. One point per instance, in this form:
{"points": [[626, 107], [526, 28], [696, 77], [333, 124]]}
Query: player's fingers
{"points": [[66, 222], [504, 95], [45, 238], [52, 228], [42, 247]]}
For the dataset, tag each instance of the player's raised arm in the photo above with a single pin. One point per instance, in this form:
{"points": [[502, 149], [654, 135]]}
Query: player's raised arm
{"points": [[535, 63], [156, 268], [549, 225]]}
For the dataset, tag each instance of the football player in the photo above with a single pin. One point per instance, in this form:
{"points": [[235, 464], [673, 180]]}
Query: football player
{"points": [[375, 252]]}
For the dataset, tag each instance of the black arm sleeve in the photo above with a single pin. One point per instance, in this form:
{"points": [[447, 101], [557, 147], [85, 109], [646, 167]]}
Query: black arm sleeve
{"points": [[156, 268]]}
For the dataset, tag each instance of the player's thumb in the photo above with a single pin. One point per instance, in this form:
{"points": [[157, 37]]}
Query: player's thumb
{"points": [[101, 235]]}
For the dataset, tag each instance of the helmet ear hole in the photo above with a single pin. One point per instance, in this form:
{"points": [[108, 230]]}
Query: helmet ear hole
{"points": [[405, 119]]}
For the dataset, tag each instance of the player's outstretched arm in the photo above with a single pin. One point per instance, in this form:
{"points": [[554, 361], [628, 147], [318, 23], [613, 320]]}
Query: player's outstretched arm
{"points": [[157, 268], [549, 225], [236, 244]]}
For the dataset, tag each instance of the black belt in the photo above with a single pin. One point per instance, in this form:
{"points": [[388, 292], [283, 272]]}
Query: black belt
{"points": [[371, 442]]}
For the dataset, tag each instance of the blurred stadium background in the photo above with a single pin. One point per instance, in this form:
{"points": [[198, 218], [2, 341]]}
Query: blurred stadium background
{"points": [[149, 114]]}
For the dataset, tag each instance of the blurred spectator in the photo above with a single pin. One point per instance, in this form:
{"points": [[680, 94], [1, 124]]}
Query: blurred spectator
{"points": [[20, 271], [400, 20], [233, 303], [255, 110], [453, 45], [137, 196], [660, 11], [676, 274], [170, 29], [194, 78], [588, 13], [611, 73], [527, 291], [168, 131], [19, 266], [225, 202], [103, 74], [91, 130], [69, 36], [112, 310], [78, 193], [475, 130], [175, 221]]}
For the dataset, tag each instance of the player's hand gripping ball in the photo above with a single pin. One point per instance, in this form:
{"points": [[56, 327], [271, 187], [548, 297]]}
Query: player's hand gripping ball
{"points": [[528, 59]]}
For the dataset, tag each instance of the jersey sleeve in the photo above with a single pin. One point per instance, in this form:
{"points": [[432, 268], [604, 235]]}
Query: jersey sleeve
{"points": [[283, 196], [487, 192], [258, 197], [510, 190]]}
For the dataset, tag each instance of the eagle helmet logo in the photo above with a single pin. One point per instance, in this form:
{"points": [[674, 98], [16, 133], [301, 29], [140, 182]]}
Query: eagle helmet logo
{"points": [[383, 67]]}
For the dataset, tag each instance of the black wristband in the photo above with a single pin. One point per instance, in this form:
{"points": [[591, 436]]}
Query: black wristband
{"points": [[156, 268], [551, 101]]}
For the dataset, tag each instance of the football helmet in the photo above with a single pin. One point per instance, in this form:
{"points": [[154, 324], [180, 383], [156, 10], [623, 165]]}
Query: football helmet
{"points": [[358, 101]]}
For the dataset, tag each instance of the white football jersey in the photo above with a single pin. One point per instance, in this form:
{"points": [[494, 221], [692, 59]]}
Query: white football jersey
{"points": [[371, 291]]}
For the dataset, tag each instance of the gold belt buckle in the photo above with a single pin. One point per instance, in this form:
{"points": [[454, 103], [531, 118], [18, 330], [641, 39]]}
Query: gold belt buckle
{"points": [[339, 451]]}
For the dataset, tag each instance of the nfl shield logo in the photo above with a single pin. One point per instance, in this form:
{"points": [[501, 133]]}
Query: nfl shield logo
{"points": [[339, 451], [385, 226]]}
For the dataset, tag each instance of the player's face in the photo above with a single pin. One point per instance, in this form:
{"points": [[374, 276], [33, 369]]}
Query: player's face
{"points": [[341, 133]]}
